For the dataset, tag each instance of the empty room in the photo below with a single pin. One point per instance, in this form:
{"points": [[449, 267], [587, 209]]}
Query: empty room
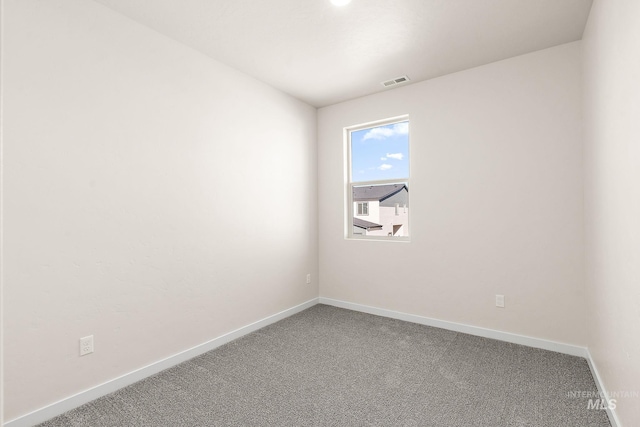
{"points": [[320, 212]]}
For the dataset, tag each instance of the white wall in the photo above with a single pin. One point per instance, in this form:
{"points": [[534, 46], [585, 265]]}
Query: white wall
{"points": [[611, 47], [133, 171], [1, 228], [496, 200]]}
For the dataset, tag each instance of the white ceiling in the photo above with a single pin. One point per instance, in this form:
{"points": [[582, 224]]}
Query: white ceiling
{"points": [[323, 54]]}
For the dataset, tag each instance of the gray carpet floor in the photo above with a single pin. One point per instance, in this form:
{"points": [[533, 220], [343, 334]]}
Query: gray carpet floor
{"points": [[332, 367]]}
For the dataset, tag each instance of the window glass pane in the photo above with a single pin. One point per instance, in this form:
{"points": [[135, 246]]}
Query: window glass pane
{"points": [[381, 215], [380, 152]]}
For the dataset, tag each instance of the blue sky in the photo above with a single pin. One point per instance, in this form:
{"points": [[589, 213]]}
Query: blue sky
{"points": [[380, 152]]}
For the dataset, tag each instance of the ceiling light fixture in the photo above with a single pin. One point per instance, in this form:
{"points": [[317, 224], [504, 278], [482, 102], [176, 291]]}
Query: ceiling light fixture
{"points": [[340, 2]]}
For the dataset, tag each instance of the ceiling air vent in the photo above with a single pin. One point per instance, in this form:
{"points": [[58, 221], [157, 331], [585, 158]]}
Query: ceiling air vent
{"points": [[396, 81]]}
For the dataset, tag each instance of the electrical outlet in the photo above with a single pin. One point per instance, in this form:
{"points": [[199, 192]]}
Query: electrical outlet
{"points": [[86, 345], [500, 301], [308, 278]]}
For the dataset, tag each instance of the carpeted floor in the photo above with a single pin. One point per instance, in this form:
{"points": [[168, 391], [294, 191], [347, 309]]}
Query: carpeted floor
{"points": [[332, 367]]}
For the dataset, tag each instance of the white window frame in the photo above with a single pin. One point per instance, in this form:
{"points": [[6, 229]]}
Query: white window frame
{"points": [[349, 202]]}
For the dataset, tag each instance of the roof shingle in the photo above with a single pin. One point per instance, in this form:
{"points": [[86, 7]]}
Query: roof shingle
{"points": [[376, 192], [361, 223]]}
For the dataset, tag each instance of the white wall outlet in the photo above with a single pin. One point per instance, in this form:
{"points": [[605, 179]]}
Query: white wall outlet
{"points": [[500, 301], [86, 345], [308, 278]]}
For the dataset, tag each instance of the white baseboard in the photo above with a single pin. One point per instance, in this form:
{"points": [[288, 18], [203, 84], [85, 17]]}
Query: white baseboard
{"points": [[572, 350], [613, 417], [86, 396]]}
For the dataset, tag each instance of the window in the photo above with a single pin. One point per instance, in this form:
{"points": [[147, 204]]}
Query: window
{"points": [[363, 208], [378, 180]]}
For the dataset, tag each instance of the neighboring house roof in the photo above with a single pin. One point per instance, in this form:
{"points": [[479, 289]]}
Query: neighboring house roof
{"points": [[360, 223], [377, 192]]}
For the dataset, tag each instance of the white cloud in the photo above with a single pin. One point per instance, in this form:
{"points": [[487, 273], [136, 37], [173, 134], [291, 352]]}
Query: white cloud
{"points": [[385, 132], [378, 133], [383, 158], [384, 167], [397, 156], [401, 128]]}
